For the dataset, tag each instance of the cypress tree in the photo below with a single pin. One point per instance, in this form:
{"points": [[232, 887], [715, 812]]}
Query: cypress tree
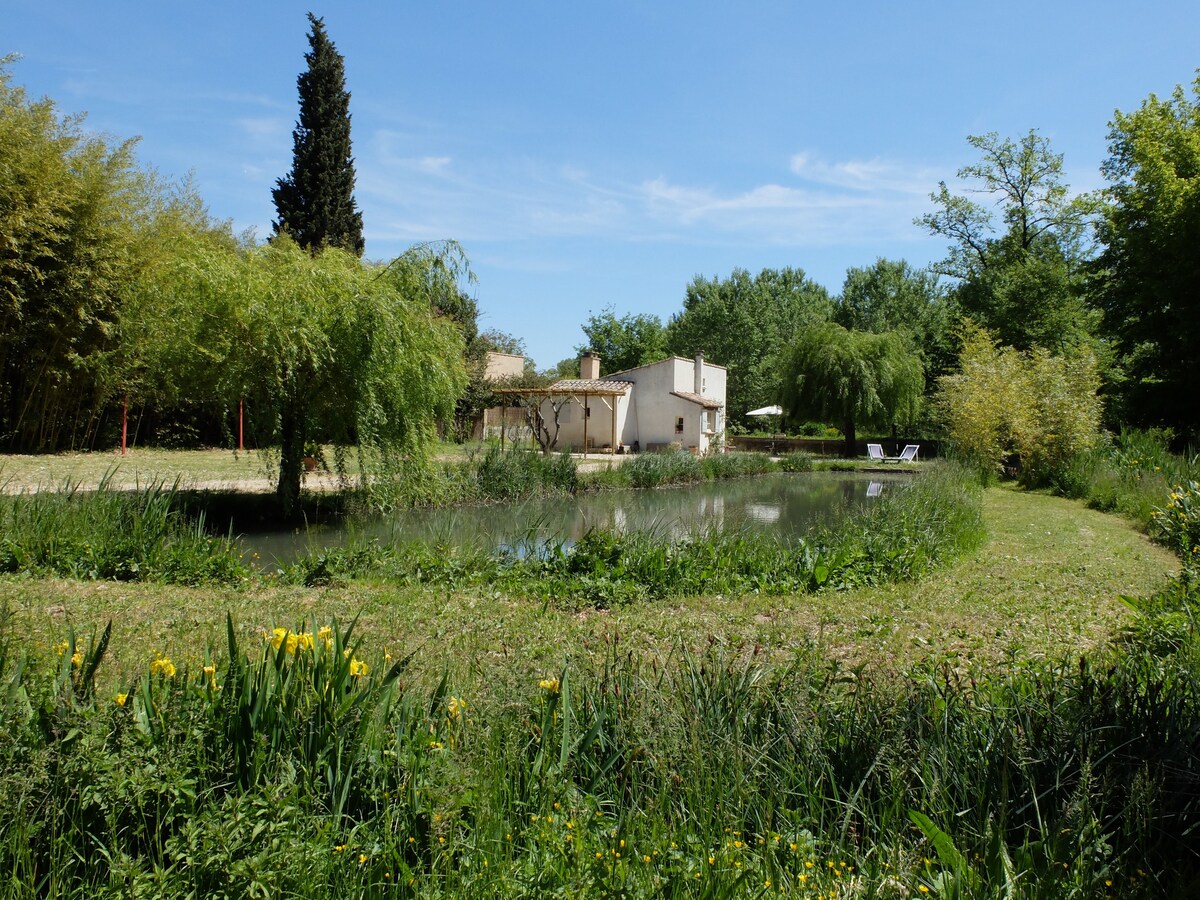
{"points": [[315, 201]]}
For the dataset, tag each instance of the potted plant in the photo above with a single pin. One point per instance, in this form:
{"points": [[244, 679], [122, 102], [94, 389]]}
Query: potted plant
{"points": [[312, 456]]}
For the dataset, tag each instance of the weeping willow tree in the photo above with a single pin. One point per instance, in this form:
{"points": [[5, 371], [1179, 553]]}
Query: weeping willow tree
{"points": [[852, 378], [322, 347]]}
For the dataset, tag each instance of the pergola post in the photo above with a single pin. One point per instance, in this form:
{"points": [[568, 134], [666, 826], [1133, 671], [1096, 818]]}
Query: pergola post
{"points": [[585, 423]]}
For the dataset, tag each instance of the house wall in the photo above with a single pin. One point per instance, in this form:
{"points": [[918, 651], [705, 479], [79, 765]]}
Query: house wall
{"points": [[599, 426], [653, 412], [649, 414], [499, 366]]}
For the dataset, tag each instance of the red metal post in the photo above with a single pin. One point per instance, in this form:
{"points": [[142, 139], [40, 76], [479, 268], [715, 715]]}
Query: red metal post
{"points": [[125, 425], [241, 443]]}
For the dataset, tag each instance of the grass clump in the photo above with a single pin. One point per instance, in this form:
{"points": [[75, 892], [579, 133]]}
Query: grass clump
{"points": [[796, 461], [650, 470], [112, 534], [1129, 475]]}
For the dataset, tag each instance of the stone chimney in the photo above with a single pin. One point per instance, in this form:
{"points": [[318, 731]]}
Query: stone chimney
{"points": [[699, 387], [589, 366]]}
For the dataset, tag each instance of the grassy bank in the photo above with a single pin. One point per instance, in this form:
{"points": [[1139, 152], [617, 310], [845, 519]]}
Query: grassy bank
{"points": [[280, 763]]}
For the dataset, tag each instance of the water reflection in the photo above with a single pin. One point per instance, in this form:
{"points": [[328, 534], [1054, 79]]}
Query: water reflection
{"points": [[785, 505]]}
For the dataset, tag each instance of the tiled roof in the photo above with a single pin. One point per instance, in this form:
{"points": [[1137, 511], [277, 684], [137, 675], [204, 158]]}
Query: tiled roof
{"points": [[706, 402], [591, 386]]}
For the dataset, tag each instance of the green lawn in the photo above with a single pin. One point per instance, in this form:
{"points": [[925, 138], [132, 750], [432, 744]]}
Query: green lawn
{"points": [[1047, 581]]}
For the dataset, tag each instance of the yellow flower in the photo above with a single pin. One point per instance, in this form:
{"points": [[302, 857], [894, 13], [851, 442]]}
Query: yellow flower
{"points": [[77, 658], [362, 858], [120, 699], [454, 708], [358, 668], [549, 684], [325, 634], [276, 637], [163, 666], [63, 647]]}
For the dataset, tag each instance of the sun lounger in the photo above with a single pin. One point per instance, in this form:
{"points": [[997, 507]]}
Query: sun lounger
{"points": [[908, 454]]}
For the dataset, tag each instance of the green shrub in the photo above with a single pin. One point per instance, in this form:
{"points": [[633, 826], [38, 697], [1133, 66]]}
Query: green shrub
{"points": [[796, 461]]}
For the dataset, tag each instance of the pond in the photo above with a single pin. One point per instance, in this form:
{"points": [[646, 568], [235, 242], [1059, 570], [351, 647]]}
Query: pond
{"points": [[785, 505]]}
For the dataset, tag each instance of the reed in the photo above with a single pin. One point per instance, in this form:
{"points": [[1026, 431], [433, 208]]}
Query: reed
{"points": [[138, 535]]}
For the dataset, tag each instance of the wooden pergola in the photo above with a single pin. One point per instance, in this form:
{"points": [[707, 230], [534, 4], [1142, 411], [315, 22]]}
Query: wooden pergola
{"points": [[578, 388]]}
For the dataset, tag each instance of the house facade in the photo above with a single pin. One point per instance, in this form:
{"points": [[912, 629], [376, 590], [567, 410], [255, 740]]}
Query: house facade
{"points": [[675, 402]]}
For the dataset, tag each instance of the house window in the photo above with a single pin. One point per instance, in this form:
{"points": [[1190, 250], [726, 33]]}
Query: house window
{"points": [[679, 425]]}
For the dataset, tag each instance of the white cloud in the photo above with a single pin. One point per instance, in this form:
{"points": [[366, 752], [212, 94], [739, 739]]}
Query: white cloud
{"points": [[866, 175], [410, 195]]}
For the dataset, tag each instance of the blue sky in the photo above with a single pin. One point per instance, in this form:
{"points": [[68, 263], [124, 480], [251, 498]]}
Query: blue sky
{"points": [[597, 154]]}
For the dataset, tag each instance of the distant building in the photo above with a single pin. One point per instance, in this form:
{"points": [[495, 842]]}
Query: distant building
{"points": [[500, 367], [675, 402]]}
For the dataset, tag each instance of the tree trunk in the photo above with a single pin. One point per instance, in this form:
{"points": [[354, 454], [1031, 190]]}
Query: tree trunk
{"points": [[291, 458], [850, 450]]}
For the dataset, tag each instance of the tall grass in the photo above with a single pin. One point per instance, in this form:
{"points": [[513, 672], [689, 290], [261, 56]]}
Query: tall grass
{"points": [[305, 766], [1130, 475], [112, 534]]}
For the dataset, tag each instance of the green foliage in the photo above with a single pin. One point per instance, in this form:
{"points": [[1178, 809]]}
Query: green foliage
{"points": [[79, 221], [626, 342], [294, 768], [649, 470], [1177, 524], [1150, 272], [892, 296], [796, 461], [112, 534], [1003, 402], [740, 323], [315, 201], [1023, 279], [323, 347], [851, 377], [1129, 475]]}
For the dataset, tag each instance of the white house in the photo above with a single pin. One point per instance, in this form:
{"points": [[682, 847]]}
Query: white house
{"points": [[674, 402]]}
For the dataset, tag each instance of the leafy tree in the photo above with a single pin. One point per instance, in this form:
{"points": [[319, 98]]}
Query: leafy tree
{"points": [[315, 201], [1024, 277], [1150, 267], [626, 342], [742, 323], [851, 378], [564, 368], [502, 342], [78, 221], [1001, 402], [893, 296], [324, 347]]}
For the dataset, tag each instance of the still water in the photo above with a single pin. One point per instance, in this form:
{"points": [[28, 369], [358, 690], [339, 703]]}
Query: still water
{"points": [[785, 505]]}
